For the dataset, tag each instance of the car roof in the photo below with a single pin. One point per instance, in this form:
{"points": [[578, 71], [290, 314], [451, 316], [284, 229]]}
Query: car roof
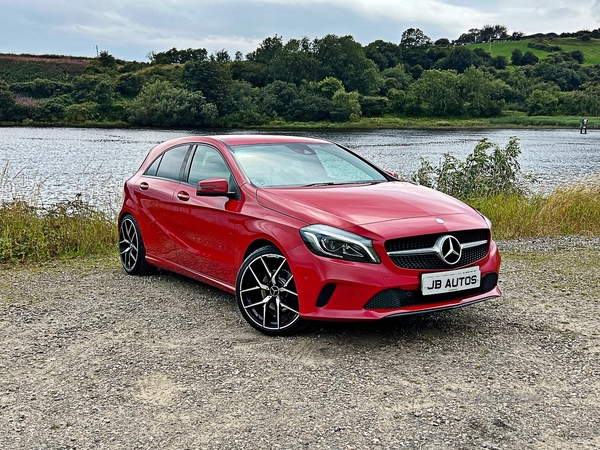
{"points": [[246, 139], [230, 140]]}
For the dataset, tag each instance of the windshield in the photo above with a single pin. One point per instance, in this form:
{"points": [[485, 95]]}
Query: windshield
{"points": [[299, 164]]}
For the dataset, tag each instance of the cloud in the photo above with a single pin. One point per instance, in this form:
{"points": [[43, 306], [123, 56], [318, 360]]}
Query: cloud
{"points": [[242, 24]]}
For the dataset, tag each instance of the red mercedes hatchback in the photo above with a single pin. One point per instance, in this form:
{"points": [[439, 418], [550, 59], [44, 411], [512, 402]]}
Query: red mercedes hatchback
{"points": [[303, 229]]}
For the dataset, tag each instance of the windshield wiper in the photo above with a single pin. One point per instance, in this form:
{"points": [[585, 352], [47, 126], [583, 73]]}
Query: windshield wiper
{"points": [[339, 183]]}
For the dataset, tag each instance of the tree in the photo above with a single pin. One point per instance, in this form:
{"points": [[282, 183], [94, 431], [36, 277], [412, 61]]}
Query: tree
{"points": [[268, 50], [211, 78], [578, 56], [436, 93], [529, 59], [493, 33], [107, 60], [542, 103], [277, 98], [499, 62], [245, 106], [483, 96], [516, 58], [254, 73], [414, 45], [566, 76], [174, 56], [222, 56], [329, 86], [346, 106], [344, 59], [384, 54], [295, 66], [396, 78], [160, 104], [414, 38], [103, 95], [7, 103], [459, 59], [130, 84]]}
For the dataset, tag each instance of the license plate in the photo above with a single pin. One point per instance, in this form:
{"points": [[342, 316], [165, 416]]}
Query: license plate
{"points": [[451, 281]]}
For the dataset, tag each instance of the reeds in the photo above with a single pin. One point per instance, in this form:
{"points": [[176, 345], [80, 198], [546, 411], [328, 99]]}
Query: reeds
{"points": [[570, 209], [33, 232]]}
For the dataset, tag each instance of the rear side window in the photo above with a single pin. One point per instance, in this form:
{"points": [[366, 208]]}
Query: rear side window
{"points": [[169, 164], [151, 171]]}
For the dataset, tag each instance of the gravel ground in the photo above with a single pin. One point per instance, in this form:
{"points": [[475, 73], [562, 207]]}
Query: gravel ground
{"points": [[93, 358]]}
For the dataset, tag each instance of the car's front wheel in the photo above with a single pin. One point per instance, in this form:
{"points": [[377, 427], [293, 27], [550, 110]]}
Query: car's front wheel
{"points": [[131, 247], [266, 293]]}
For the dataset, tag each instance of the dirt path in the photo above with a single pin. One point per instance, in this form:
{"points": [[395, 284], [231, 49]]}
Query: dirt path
{"points": [[93, 358]]}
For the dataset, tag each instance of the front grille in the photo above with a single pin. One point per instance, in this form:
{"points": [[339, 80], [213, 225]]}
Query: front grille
{"points": [[431, 261], [398, 298]]}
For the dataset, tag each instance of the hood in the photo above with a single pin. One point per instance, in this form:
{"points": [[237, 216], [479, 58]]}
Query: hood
{"points": [[351, 205]]}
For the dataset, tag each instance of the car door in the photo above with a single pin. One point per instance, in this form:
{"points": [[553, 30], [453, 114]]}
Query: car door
{"points": [[156, 197], [205, 224]]}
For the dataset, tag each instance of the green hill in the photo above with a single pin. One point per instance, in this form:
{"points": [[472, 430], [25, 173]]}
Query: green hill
{"points": [[590, 49], [23, 68]]}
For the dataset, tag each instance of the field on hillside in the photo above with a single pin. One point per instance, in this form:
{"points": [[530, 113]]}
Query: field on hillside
{"points": [[23, 68], [590, 49]]}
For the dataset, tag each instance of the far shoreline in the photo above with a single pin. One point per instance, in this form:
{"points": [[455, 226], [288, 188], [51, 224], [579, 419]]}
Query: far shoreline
{"points": [[379, 123]]}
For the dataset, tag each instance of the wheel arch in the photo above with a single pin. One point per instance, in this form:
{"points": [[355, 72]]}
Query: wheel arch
{"points": [[259, 243]]}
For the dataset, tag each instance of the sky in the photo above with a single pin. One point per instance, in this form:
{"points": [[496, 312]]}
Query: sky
{"points": [[131, 29]]}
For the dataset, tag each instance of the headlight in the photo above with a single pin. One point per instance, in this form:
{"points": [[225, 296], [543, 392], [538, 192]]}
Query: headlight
{"points": [[488, 221], [332, 242]]}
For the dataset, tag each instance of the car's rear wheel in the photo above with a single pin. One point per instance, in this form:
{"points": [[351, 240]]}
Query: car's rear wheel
{"points": [[131, 247], [266, 293]]}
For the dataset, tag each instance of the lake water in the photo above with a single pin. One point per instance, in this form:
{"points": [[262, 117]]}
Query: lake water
{"points": [[64, 162]]}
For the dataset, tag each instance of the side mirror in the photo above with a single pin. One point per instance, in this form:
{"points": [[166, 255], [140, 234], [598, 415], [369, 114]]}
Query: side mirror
{"points": [[392, 174], [213, 187]]}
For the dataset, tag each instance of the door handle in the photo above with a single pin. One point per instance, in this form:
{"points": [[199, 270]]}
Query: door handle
{"points": [[144, 186], [183, 196]]}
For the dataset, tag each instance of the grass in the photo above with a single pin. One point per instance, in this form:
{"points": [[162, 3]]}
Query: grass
{"points": [[590, 49], [63, 230], [523, 121], [568, 210], [33, 232], [511, 119]]}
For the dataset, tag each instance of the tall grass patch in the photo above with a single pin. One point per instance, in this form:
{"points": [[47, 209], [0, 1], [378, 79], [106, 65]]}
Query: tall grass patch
{"points": [[63, 230], [568, 210], [31, 231]]}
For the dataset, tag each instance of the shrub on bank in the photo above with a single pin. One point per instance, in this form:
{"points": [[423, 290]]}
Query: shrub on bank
{"points": [[488, 171]]}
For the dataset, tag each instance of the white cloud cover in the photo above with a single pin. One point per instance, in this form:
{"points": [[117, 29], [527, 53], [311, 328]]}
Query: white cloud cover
{"points": [[129, 29]]}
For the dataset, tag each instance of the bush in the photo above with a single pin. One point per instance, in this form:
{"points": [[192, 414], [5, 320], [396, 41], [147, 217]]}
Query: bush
{"points": [[482, 174]]}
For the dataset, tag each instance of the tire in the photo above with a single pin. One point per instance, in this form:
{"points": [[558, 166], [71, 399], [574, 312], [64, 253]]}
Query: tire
{"points": [[131, 247], [266, 293]]}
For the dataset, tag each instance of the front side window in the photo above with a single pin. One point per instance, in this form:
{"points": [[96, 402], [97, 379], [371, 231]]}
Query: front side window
{"points": [[169, 164], [299, 164], [207, 163]]}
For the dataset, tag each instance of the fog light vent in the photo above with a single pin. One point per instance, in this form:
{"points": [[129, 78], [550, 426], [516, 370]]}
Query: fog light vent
{"points": [[325, 295]]}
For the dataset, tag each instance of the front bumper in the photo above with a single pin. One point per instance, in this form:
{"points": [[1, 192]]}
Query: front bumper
{"points": [[350, 291]]}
